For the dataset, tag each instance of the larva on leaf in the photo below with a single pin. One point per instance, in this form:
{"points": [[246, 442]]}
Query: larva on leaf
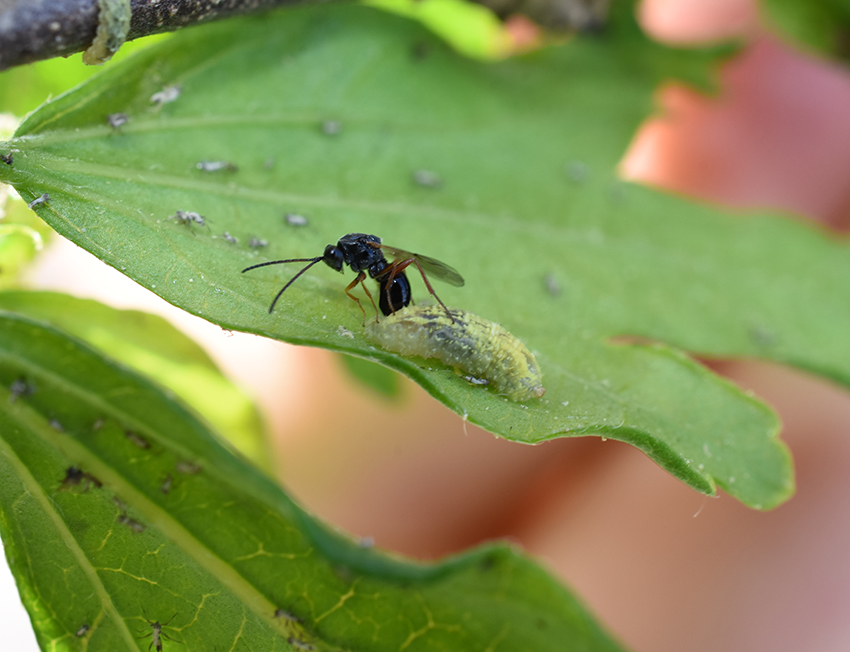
{"points": [[465, 341]]}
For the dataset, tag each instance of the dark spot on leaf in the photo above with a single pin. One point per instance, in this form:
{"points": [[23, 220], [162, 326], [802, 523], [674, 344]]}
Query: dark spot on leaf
{"points": [[126, 520], [131, 523], [487, 563], [74, 476], [420, 50], [137, 439]]}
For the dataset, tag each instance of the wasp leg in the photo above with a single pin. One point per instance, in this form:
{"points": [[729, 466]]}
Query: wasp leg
{"points": [[399, 266], [360, 278], [392, 269], [369, 294]]}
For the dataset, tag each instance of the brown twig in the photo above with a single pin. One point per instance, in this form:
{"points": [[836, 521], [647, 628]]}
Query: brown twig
{"points": [[32, 30]]}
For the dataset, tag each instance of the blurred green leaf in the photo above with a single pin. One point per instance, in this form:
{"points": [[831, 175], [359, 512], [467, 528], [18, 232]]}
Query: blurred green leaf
{"points": [[152, 346], [18, 245], [118, 508], [377, 377], [22, 236], [331, 113], [471, 28], [822, 25]]}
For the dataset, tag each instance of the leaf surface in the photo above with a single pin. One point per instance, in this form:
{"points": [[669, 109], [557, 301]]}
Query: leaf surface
{"points": [[335, 114], [22, 236], [155, 348], [378, 378], [823, 25], [118, 508]]}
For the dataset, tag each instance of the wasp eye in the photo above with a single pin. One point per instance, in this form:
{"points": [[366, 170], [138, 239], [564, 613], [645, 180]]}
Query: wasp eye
{"points": [[333, 258]]}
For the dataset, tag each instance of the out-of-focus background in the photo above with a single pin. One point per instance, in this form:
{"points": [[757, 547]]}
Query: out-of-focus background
{"points": [[665, 568]]}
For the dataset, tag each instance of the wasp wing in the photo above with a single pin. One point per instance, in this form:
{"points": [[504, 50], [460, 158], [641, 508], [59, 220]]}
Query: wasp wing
{"points": [[433, 266]]}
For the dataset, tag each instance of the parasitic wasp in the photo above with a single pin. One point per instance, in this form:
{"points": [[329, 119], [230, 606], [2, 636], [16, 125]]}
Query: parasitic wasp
{"points": [[364, 254]]}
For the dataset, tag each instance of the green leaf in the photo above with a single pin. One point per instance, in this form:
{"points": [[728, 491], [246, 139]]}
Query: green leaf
{"points": [[822, 25], [530, 210], [382, 380], [118, 508], [18, 245], [471, 28], [23, 88], [22, 236], [152, 346]]}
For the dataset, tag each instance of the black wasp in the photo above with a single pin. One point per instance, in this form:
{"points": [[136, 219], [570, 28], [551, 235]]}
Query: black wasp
{"points": [[364, 253]]}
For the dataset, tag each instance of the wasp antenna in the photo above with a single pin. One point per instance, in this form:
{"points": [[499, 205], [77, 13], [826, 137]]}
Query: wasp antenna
{"points": [[313, 261], [278, 262]]}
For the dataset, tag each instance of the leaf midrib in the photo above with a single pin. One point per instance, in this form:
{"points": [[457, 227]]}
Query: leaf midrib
{"points": [[154, 514], [584, 236], [15, 411]]}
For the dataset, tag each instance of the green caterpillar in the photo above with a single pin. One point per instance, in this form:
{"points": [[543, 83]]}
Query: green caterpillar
{"points": [[477, 346]]}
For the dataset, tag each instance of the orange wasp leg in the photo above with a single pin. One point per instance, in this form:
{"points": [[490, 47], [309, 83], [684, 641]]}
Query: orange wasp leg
{"points": [[360, 278], [399, 266]]}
